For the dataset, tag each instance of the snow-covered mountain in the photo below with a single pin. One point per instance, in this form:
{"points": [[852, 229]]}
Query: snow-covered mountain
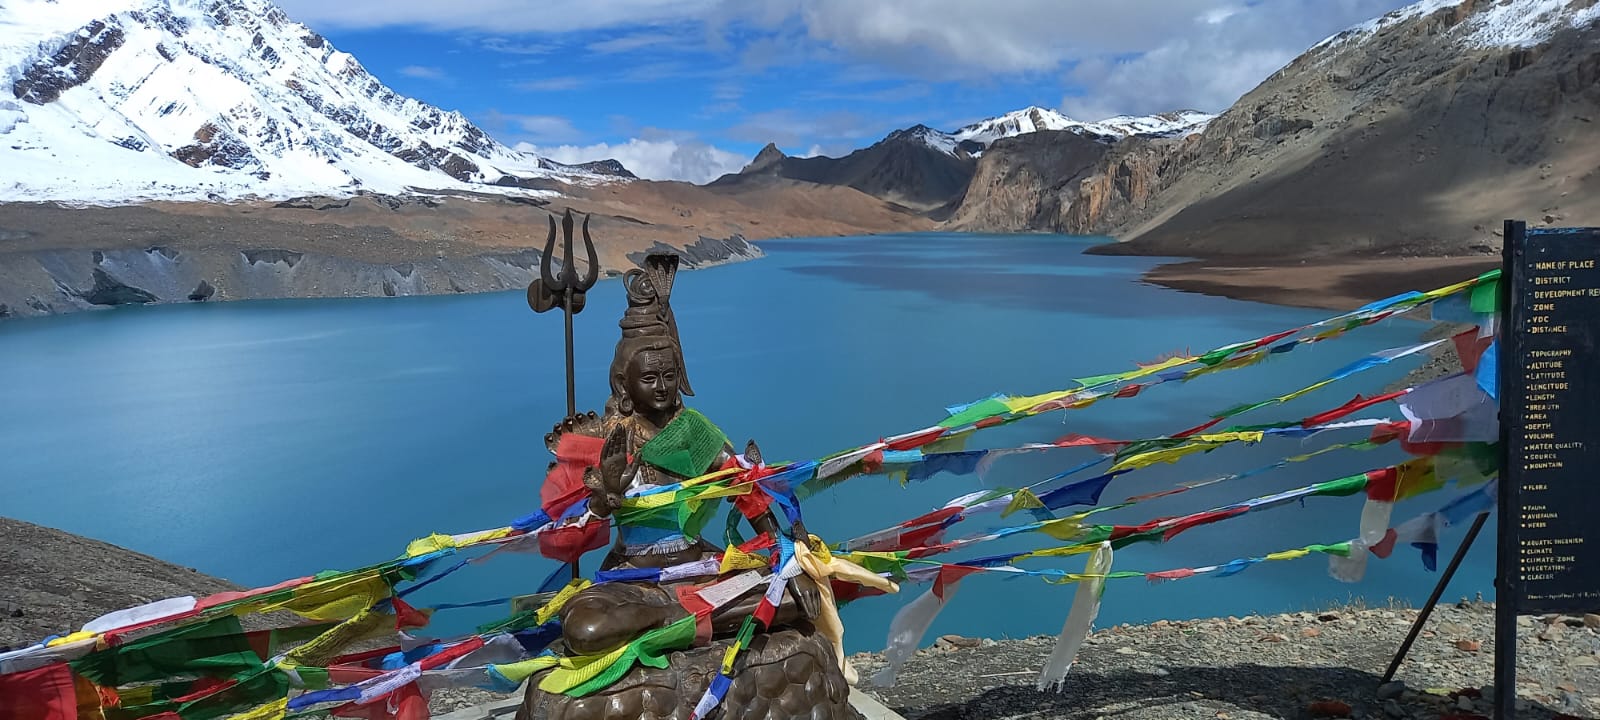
{"points": [[975, 138], [126, 100]]}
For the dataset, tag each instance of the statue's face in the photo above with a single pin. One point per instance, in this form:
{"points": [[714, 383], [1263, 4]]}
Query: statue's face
{"points": [[652, 381]]}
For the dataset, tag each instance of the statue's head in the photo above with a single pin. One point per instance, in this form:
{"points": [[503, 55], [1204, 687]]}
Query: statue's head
{"points": [[646, 376], [647, 373]]}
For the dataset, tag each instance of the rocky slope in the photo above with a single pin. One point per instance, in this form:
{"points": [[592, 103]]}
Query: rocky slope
{"points": [[57, 581], [903, 168], [1416, 133]]}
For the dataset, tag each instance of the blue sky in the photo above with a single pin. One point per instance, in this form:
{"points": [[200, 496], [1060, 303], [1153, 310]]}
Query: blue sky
{"points": [[689, 89]]}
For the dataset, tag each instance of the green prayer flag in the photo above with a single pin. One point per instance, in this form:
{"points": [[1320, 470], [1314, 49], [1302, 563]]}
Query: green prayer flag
{"points": [[1485, 297], [650, 649], [975, 412], [1341, 487], [1340, 549], [686, 447], [217, 648]]}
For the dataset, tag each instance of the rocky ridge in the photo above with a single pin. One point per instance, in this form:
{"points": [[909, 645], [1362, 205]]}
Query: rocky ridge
{"points": [[1416, 133]]}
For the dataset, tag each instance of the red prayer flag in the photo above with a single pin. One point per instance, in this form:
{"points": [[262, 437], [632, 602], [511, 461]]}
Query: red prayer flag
{"points": [[569, 542], [43, 694], [950, 575], [1356, 404], [210, 601], [916, 440], [758, 543], [988, 422], [764, 612], [1270, 339], [929, 550], [1386, 545], [937, 516], [1128, 391], [580, 449], [563, 487], [1199, 428], [1198, 519], [1163, 575], [1382, 484], [918, 537], [1077, 440], [873, 462], [1470, 347], [689, 598], [406, 616]]}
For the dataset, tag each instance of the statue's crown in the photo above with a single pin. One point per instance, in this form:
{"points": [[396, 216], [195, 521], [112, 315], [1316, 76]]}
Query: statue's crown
{"points": [[649, 312]]}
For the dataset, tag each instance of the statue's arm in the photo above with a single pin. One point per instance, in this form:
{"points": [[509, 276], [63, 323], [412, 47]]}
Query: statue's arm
{"points": [[608, 481]]}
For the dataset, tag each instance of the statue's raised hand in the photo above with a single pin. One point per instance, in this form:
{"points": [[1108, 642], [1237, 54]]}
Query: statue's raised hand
{"points": [[609, 481], [583, 424]]}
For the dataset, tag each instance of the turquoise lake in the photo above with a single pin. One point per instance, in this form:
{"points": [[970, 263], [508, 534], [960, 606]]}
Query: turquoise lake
{"points": [[259, 441]]}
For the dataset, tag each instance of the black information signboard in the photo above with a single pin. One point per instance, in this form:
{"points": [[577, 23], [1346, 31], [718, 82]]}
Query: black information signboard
{"points": [[1550, 405], [1548, 361]]}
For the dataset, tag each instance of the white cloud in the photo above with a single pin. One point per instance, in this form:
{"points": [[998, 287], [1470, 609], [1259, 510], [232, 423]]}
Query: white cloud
{"points": [[496, 16], [1128, 55], [665, 159], [1222, 55], [629, 43], [423, 72]]}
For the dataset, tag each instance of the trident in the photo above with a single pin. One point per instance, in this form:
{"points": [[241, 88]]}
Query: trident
{"points": [[564, 289]]}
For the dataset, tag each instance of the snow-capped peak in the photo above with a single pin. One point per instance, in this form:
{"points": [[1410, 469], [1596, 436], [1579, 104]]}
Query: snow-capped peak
{"points": [[974, 138], [1521, 23], [128, 100]]}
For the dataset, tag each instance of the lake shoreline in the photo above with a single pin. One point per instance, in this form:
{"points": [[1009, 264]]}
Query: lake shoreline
{"points": [[1339, 284]]}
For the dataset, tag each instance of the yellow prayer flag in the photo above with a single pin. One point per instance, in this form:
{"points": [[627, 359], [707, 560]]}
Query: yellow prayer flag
{"points": [[74, 637], [711, 477], [736, 559], [554, 606], [1305, 390], [271, 711], [1167, 364], [477, 537], [1023, 499], [430, 544], [1289, 554], [1067, 528], [1167, 455], [518, 671], [337, 598], [1028, 402], [574, 670], [1416, 477], [651, 501]]}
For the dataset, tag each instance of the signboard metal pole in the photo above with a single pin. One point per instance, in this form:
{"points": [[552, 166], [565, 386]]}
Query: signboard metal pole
{"points": [[1505, 603]]}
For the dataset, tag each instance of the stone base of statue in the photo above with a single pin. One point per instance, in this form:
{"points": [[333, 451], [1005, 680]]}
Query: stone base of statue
{"points": [[786, 674]]}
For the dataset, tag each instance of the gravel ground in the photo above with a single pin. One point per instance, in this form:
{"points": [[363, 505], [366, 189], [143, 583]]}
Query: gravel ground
{"points": [[1301, 665]]}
